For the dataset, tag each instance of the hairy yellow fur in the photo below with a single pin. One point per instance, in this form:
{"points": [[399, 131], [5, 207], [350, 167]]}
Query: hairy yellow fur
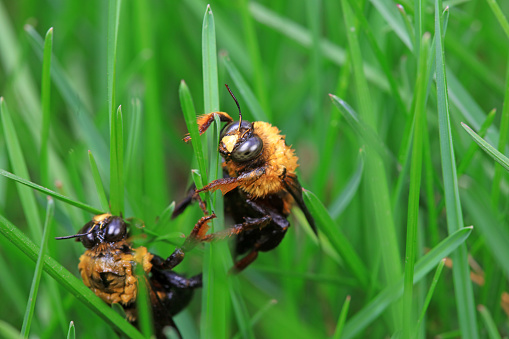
{"points": [[277, 157], [119, 269]]}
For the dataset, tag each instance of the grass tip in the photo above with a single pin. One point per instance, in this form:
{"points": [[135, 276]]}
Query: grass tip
{"points": [[480, 308], [426, 36], [401, 8]]}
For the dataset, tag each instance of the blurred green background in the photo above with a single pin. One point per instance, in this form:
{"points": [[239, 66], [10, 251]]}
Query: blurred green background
{"points": [[288, 56]]}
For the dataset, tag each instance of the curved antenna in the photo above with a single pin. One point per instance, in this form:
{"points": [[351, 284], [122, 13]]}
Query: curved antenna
{"points": [[73, 236], [233, 96], [77, 235]]}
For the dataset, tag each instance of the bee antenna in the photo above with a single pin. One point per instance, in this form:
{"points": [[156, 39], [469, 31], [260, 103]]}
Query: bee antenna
{"points": [[233, 96], [73, 236]]}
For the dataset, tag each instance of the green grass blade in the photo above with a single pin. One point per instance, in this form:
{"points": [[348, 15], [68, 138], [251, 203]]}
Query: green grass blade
{"points": [[7, 331], [255, 58], [71, 334], [415, 184], [490, 150], [146, 29], [486, 221], [360, 126], [376, 184], [67, 280], [186, 102], [429, 295], [116, 143], [244, 90], [20, 168], [98, 182], [380, 55], [51, 193], [504, 135], [63, 83], [27, 320], [390, 13], [469, 155], [502, 20], [342, 318], [338, 205], [214, 297], [461, 271], [491, 328], [46, 107], [339, 242], [388, 295], [302, 36]]}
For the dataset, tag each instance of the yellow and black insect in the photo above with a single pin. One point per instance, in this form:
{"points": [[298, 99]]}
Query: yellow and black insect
{"points": [[108, 268], [259, 183]]}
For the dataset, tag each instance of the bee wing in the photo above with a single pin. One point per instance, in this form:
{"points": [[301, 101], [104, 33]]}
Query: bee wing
{"points": [[295, 189]]}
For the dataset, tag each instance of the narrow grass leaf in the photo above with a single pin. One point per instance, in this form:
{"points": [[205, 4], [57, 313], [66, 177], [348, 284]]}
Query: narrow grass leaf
{"points": [[254, 51], [51, 193], [34, 289], [19, 167], [461, 271], [339, 242], [67, 280], [490, 150], [71, 334], [338, 205], [214, 299], [98, 182], [7, 331], [490, 325], [244, 90], [390, 13], [497, 11], [83, 122], [46, 107], [302, 36], [429, 295], [502, 141], [496, 237], [415, 184], [186, 102], [388, 295], [376, 184], [342, 318], [469, 154], [380, 55], [362, 128], [258, 316], [116, 188]]}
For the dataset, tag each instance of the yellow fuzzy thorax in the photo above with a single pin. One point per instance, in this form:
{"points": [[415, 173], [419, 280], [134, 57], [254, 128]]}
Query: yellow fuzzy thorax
{"points": [[276, 156], [119, 269]]}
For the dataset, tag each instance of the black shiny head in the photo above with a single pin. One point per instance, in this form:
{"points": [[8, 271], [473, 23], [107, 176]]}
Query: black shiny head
{"points": [[102, 228], [238, 142]]}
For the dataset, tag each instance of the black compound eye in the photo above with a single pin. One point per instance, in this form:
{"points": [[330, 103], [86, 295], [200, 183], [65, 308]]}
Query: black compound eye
{"points": [[232, 126], [248, 150], [115, 230], [88, 240]]}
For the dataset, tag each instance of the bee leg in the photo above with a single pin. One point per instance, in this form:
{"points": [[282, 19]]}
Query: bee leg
{"points": [[230, 183], [197, 234], [204, 121], [249, 224], [240, 265], [188, 200]]}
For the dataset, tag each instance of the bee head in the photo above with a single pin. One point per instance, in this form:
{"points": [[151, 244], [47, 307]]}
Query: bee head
{"points": [[238, 142], [102, 228]]}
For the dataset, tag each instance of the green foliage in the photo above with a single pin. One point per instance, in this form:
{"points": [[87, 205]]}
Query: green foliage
{"points": [[124, 80]]}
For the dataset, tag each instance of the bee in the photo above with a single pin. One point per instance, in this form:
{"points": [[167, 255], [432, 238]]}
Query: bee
{"points": [[259, 184], [108, 268]]}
